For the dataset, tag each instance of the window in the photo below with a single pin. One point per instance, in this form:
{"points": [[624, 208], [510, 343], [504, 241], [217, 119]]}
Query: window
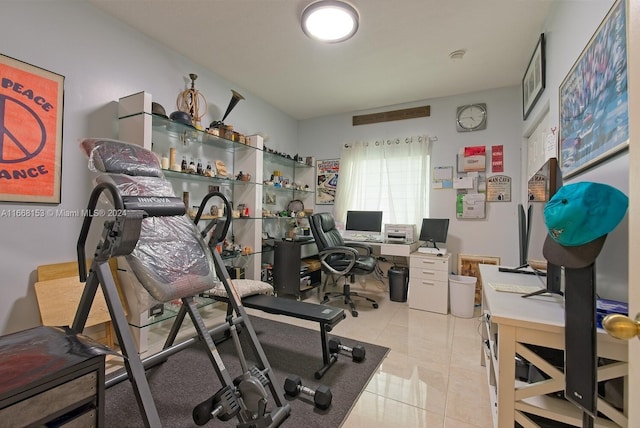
{"points": [[392, 176]]}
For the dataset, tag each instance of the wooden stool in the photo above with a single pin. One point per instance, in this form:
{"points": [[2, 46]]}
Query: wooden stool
{"points": [[58, 292]]}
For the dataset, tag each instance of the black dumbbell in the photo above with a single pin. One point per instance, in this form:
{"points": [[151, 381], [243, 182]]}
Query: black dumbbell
{"points": [[321, 395], [357, 352], [223, 404]]}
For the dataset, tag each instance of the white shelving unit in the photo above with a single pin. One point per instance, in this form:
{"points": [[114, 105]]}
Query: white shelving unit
{"points": [[139, 126]]}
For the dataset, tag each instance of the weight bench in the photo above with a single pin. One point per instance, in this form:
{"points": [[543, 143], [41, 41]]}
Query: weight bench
{"points": [[258, 295], [326, 316]]}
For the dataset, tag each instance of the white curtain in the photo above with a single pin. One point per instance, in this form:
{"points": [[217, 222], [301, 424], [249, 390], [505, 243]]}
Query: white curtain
{"points": [[390, 175]]}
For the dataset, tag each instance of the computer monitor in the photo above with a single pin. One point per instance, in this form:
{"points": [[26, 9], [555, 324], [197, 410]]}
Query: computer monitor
{"points": [[553, 281], [434, 231], [364, 222]]}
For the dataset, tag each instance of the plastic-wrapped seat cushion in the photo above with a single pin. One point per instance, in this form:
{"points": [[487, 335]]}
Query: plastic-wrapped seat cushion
{"points": [[170, 260]]}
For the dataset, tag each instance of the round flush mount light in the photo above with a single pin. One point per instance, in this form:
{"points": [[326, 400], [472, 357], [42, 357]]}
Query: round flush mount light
{"points": [[330, 21]]}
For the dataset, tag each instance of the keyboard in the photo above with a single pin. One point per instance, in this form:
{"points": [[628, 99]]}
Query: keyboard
{"points": [[431, 250], [514, 288], [355, 238], [364, 238]]}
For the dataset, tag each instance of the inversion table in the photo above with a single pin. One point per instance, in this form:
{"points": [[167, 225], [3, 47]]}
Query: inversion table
{"points": [[170, 260]]}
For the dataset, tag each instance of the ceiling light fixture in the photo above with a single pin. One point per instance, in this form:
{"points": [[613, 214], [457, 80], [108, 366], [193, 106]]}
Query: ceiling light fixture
{"points": [[330, 21]]}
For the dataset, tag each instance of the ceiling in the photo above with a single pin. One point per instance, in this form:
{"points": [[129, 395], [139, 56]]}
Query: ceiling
{"points": [[399, 55]]}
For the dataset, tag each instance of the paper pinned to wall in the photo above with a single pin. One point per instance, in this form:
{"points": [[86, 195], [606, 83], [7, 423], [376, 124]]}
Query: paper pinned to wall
{"points": [[442, 177], [463, 183], [473, 206]]}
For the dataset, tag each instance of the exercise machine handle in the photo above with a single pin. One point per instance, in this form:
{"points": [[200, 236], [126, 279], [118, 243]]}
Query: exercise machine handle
{"points": [[227, 221], [86, 224]]}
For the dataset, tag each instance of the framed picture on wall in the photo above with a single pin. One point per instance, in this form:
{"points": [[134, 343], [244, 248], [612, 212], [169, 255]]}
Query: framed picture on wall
{"points": [[30, 132], [327, 181], [593, 97], [468, 265], [533, 82]]}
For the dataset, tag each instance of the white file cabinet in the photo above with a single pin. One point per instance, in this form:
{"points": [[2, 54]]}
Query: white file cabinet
{"points": [[429, 282]]}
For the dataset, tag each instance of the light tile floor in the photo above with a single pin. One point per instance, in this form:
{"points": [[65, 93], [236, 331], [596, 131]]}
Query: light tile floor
{"points": [[431, 377]]}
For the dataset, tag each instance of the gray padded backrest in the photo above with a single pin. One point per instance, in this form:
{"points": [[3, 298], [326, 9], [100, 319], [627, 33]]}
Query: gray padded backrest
{"points": [[170, 260], [324, 231]]}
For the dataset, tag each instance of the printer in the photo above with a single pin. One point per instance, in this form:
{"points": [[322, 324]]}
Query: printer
{"points": [[404, 233]]}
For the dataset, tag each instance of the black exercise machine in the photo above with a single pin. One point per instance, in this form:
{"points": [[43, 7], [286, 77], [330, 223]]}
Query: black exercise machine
{"points": [[171, 261]]}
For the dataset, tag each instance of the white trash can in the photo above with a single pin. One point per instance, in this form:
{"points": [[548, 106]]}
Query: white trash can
{"points": [[462, 295]]}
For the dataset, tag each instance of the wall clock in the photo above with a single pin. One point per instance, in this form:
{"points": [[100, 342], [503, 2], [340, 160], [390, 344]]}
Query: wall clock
{"points": [[471, 117]]}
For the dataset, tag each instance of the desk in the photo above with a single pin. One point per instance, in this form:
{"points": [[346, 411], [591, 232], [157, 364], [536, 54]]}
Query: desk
{"points": [[385, 248], [510, 323]]}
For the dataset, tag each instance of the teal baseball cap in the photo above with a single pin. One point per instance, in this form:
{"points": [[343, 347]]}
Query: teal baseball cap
{"points": [[578, 218]]}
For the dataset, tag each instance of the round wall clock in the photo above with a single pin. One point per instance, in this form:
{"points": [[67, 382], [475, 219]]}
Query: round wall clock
{"points": [[472, 117]]}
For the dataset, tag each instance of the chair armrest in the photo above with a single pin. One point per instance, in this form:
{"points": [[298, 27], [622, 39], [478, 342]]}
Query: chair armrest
{"points": [[362, 245], [351, 255]]}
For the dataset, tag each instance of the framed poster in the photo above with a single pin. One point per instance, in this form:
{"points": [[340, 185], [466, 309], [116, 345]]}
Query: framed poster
{"points": [[31, 107], [468, 266], [327, 181], [594, 107], [533, 82]]}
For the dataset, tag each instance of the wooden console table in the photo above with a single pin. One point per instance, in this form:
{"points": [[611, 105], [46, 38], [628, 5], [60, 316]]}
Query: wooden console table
{"points": [[511, 324]]}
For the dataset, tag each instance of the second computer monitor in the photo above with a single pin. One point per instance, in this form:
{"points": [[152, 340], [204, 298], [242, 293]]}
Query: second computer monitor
{"points": [[434, 230], [368, 222]]}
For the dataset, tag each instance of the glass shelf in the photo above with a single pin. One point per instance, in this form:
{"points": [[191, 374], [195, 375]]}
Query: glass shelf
{"points": [[284, 161], [187, 176], [279, 218], [287, 190], [189, 134], [170, 310]]}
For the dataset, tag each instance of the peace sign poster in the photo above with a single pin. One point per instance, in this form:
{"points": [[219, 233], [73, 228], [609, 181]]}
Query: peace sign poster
{"points": [[31, 104]]}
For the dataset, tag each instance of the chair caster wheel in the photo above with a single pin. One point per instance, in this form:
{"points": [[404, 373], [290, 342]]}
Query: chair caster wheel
{"points": [[354, 313], [375, 306]]}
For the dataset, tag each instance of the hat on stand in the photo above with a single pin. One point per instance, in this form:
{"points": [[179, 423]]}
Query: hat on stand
{"points": [[578, 218]]}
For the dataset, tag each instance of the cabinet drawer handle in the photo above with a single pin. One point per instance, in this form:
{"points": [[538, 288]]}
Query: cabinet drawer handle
{"points": [[428, 283], [428, 262], [430, 272]]}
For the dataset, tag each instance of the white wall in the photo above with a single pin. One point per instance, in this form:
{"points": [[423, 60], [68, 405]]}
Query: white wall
{"points": [[102, 60], [568, 29], [327, 136]]}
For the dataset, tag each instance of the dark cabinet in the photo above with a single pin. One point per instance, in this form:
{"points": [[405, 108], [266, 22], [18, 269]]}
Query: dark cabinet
{"points": [[50, 377], [296, 267]]}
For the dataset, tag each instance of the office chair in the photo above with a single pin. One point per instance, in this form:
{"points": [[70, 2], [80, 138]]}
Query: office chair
{"points": [[338, 258]]}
